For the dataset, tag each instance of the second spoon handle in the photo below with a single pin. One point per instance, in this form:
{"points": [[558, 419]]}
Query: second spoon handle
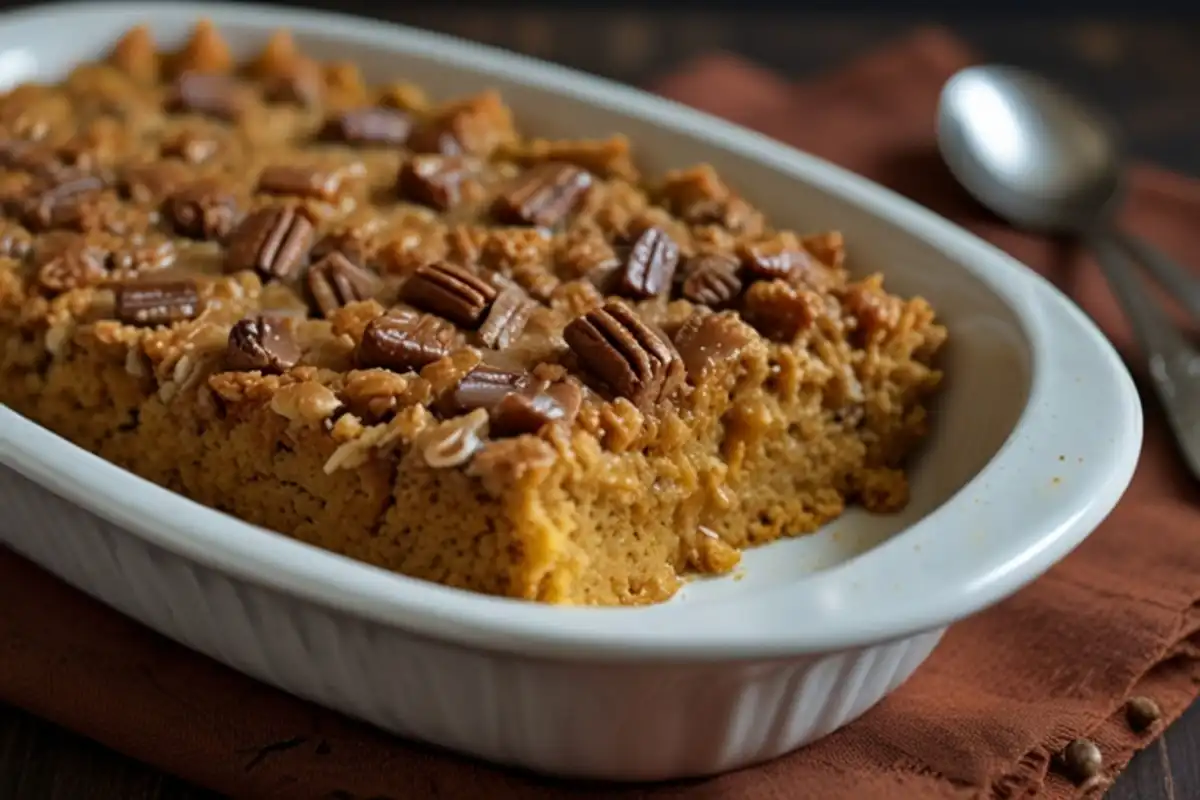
{"points": [[1174, 362], [1172, 276]]}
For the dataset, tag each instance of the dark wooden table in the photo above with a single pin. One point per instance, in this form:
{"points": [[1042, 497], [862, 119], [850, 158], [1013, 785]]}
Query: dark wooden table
{"points": [[1145, 72]]}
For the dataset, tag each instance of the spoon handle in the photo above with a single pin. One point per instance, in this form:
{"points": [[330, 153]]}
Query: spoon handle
{"points": [[1174, 362], [1173, 277]]}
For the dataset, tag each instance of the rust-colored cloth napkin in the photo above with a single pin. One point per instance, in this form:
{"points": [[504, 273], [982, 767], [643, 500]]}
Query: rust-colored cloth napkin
{"points": [[982, 718]]}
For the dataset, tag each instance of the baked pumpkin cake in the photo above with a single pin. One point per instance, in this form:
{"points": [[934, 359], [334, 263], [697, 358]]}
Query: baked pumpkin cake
{"points": [[399, 329]]}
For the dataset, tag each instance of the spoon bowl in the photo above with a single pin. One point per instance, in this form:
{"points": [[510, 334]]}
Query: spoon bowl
{"points": [[1044, 162], [1027, 150]]}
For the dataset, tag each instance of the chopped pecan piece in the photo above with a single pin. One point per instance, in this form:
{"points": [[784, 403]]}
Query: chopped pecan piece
{"points": [[272, 241], [58, 204], [405, 342], [518, 402], [506, 318], [649, 266], [368, 126], [537, 405], [148, 303], [434, 181], [264, 344], [542, 196], [451, 292], [216, 96], [772, 259], [711, 280], [74, 265], [633, 359], [204, 210], [301, 182], [708, 340], [335, 282], [482, 387], [779, 310]]}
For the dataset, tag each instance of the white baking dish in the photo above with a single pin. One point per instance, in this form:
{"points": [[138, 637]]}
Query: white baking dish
{"points": [[1037, 435]]}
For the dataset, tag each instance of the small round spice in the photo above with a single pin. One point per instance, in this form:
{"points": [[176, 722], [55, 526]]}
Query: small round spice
{"points": [[1142, 712], [1081, 760]]}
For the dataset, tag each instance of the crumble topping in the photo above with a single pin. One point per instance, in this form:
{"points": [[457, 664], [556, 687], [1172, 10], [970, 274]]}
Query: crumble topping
{"points": [[314, 302]]}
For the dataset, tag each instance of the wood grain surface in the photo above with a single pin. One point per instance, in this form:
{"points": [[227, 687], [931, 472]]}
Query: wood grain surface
{"points": [[1144, 73]]}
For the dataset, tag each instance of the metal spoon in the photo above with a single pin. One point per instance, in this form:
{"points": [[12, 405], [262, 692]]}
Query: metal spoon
{"points": [[1042, 161]]}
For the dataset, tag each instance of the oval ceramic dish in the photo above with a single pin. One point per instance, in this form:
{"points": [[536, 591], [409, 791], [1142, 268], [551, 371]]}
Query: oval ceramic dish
{"points": [[1038, 430]]}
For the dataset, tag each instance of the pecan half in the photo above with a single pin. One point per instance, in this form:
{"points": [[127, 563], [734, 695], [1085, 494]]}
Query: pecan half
{"points": [[335, 282], [649, 266], [506, 319], [711, 280], [543, 196], [271, 241], [631, 358], [451, 292]]}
